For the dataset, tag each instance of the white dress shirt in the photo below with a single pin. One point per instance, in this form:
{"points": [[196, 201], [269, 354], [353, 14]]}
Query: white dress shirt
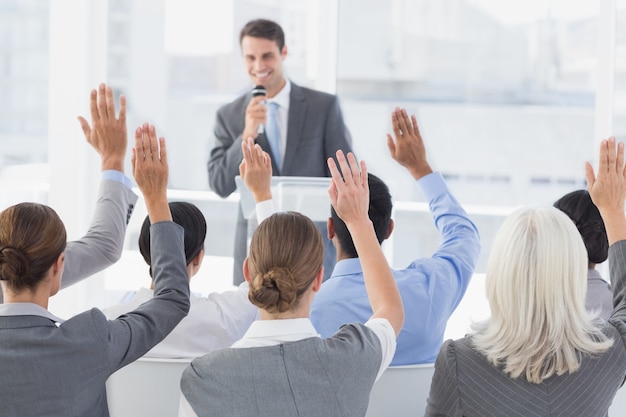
{"points": [[213, 322]]}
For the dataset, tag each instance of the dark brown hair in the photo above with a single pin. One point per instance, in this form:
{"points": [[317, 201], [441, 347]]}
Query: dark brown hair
{"points": [[32, 236], [193, 222], [286, 253], [265, 29]]}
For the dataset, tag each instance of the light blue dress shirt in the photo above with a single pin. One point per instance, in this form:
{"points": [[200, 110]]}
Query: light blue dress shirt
{"points": [[431, 288]]}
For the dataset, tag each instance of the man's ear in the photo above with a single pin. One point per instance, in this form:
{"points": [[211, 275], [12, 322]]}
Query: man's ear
{"points": [[283, 53], [389, 229], [197, 260], [330, 228], [246, 271]]}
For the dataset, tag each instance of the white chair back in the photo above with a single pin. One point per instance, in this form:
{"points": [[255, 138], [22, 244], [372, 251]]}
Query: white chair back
{"points": [[401, 391], [148, 387]]}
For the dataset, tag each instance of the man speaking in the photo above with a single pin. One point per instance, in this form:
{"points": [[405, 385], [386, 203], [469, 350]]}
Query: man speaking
{"points": [[298, 126]]}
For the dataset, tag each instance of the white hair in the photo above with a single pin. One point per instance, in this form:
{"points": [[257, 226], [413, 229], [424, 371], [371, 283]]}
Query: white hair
{"points": [[536, 286]]}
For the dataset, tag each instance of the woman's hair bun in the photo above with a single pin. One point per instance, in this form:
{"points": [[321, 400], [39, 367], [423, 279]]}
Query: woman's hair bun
{"points": [[275, 291], [13, 264]]}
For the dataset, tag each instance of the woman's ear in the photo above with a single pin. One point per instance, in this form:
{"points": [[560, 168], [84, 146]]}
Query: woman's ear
{"points": [[317, 282], [57, 274], [246, 271]]}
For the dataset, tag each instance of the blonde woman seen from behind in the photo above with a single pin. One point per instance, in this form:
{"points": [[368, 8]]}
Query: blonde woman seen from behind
{"points": [[282, 367], [541, 350]]}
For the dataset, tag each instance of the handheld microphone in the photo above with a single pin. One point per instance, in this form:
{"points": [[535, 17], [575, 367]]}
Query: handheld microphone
{"points": [[259, 90]]}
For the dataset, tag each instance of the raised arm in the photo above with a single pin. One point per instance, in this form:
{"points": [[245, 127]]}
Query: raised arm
{"points": [[608, 188], [454, 260], [134, 333], [608, 191], [102, 245], [408, 147], [349, 195]]}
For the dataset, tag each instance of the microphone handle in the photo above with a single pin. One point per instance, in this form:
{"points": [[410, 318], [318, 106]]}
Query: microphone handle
{"points": [[261, 129]]}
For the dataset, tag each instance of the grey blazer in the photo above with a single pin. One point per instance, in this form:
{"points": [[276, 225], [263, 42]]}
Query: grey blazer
{"points": [[312, 377], [103, 243], [60, 370], [315, 131], [466, 384]]}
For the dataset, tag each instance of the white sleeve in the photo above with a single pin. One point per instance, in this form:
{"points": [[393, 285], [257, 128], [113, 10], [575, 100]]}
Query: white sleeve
{"points": [[184, 409], [387, 337], [264, 209]]}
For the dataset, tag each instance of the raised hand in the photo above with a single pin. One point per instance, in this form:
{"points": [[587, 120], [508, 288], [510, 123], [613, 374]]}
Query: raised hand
{"points": [[349, 190], [107, 133], [150, 169], [608, 188], [256, 170], [408, 147]]}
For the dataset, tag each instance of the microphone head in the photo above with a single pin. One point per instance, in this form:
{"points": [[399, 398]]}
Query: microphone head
{"points": [[258, 90]]}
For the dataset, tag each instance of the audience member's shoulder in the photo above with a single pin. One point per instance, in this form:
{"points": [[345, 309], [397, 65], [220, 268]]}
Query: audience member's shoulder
{"points": [[353, 334], [83, 326]]}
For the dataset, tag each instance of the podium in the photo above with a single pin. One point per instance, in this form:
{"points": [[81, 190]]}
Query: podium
{"points": [[307, 195]]}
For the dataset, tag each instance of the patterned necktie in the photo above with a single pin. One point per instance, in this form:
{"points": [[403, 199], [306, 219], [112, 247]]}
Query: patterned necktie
{"points": [[273, 133]]}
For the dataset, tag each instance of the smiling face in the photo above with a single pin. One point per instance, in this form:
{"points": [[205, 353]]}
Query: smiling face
{"points": [[264, 63]]}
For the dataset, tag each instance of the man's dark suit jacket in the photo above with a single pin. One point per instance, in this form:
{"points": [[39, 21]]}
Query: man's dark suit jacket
{"points": [[315, 131]]}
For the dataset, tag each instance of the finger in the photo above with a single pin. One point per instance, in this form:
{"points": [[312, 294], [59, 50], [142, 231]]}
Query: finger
{"points": [[354, 166], [334, 172], [242, 169], [364, 178], [102, 106], [138, 149], [344, 166], [395, 124], [619, 163], [391, 145], [267, 159], [163, 151], [143, 148], [154, 144], [110, 103], [403, 122], [93, 106], [253, 151], [122, 117], [133, 159], [416, 129], [245, 150], [84, 125], [332, 189], [591, 178], [612, 155]]}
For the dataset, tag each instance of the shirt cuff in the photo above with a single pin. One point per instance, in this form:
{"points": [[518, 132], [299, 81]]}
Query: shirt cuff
{"points": [[433, 185], [264, 209], [113, 175], [387, 337]]}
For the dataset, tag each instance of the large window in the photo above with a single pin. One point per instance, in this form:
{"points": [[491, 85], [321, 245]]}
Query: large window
{"points": [[506, 94]]}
